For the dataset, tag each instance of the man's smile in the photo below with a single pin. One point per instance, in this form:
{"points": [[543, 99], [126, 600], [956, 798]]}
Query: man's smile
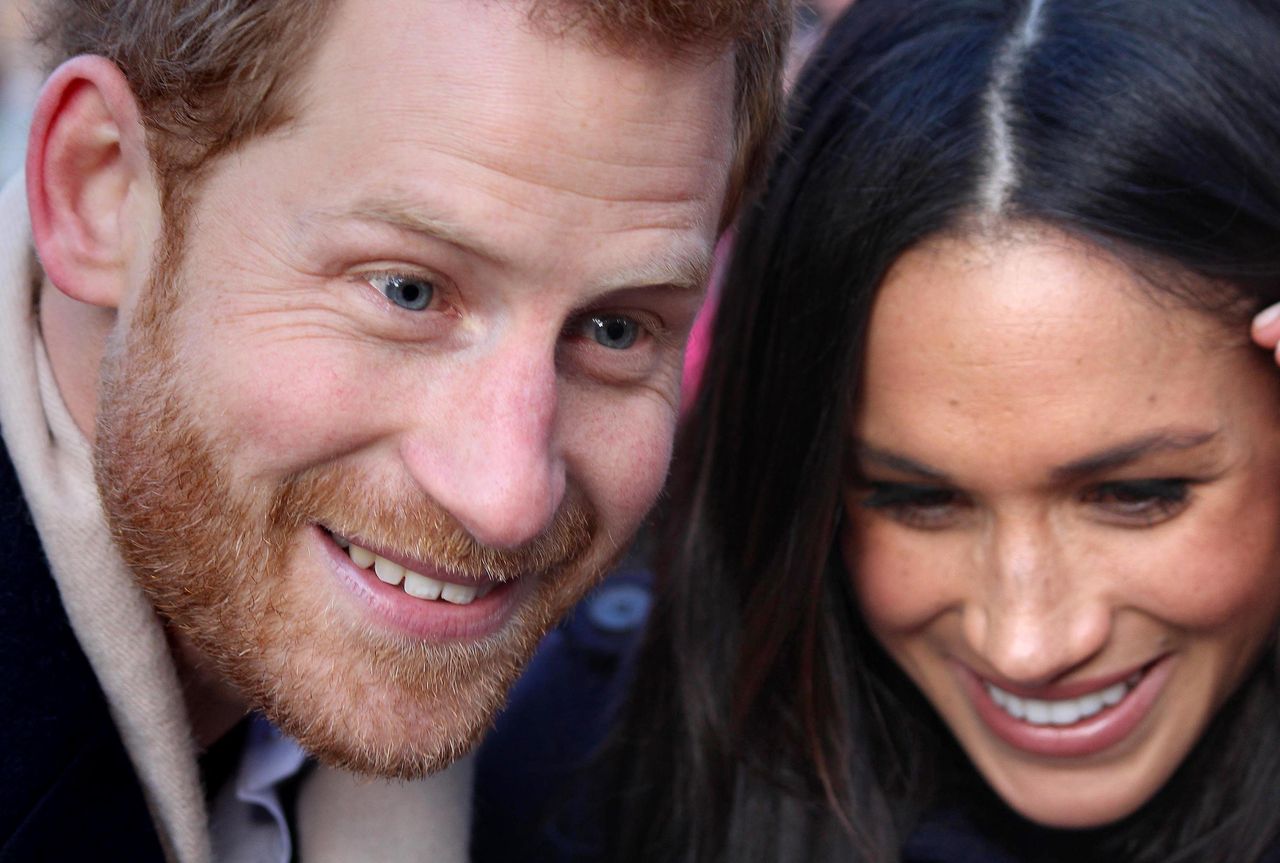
{"points": [[438, 607], [418, 578]]}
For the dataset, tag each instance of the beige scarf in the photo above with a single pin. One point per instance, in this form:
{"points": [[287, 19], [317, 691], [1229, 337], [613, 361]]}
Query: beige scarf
{"points": [[340, 817]]}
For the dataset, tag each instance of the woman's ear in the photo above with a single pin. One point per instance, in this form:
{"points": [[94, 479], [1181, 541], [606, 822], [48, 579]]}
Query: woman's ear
{"points": [[89, 179]]}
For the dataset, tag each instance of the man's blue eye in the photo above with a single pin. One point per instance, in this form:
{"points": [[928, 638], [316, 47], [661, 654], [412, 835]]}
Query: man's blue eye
{"points": [[614, 332], [407, 292]]}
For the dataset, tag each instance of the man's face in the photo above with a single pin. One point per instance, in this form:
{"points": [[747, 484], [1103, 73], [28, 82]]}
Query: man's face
{"points": [[438, 318]]}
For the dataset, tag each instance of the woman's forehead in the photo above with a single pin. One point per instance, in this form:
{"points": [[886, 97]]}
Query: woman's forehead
{"points": [[1037, 334], [1037, 298]]}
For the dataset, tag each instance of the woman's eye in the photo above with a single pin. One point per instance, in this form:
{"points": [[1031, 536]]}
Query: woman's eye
{"points": [[408, 292], [615, 332], [928, 507], [1144, 502]]}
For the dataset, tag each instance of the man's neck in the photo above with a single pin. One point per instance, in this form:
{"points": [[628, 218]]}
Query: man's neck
{"points": [[213, 705], [75, 337]]}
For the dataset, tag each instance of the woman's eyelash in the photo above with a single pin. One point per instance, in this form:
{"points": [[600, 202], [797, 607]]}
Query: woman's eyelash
{"points": [[925, 507], [1134, 491], [893, 494], [1144, 501], [1140, 502]]}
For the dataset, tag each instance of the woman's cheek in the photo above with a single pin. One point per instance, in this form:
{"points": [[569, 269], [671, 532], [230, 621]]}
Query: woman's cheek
{"points": [[900, 584], [1212, 573]]}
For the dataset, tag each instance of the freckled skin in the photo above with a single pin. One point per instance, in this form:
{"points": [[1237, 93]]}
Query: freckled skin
{"points": [[993, 361], [562, 173]]}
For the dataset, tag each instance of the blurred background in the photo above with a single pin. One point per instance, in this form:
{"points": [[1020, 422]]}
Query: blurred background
{"points": [[19, 81]]}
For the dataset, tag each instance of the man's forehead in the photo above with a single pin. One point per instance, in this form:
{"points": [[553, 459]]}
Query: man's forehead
{"points": [[458, 121], [470, 41], [483, 68]]}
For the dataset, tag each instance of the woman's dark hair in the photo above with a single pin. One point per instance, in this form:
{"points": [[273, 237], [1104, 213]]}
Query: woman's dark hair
{"points": [[765, 723]]}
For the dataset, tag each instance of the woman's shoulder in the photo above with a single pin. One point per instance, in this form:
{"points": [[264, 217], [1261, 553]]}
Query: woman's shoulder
{"points": [[531, 765], [951, 836]]}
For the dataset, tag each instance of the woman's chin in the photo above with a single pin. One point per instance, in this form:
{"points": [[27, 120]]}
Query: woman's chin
{"points": [[1075, 812], [1080, 798]]}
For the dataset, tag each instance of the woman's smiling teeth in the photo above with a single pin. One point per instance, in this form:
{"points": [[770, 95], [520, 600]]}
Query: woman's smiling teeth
{"points": [[414, 583], [1066, 711]]}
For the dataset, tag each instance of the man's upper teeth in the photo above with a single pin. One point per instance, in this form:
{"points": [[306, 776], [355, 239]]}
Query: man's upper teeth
{"points": [[1066, 711], [421, 586], [363, 557], [415, 583], [391, 573]]}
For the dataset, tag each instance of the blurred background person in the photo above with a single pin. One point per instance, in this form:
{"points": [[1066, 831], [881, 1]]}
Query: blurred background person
{"points": [[19, 83]]}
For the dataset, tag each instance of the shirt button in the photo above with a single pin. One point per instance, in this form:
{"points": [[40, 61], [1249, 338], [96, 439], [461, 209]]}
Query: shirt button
{"points": [[619, 607]]}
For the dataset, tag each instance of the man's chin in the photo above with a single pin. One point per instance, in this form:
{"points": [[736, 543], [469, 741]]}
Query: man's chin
{"points": [[357, 691], [408, 743], [363, 699]]}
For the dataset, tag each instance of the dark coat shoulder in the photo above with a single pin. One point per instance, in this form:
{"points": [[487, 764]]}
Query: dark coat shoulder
{"points": [[69, 790]]}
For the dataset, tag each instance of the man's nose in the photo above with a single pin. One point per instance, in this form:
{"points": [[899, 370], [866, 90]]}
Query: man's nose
{"points": [[1035, 616], [491, 455]]}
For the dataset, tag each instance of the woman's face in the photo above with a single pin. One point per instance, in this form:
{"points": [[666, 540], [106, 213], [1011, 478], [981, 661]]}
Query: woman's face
{"points": [[1065, 526]]}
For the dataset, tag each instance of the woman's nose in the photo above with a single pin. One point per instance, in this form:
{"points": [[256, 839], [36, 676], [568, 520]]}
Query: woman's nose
{"points": [[1035, 612]]}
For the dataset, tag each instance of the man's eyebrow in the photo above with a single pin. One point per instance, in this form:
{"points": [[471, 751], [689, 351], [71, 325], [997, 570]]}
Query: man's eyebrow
{"points": [[1128, 452], [683, 268], [417, 221], [892, 460]]}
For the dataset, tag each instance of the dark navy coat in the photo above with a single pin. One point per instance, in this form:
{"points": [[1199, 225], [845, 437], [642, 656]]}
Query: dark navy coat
{"points": [[67, 789], [557, 716]]}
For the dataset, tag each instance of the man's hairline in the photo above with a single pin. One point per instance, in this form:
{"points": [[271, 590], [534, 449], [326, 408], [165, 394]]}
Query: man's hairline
{"points": [[298, 79]]}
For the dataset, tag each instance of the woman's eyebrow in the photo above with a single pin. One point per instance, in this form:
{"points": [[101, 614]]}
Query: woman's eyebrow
{"points": [[892, 460], [1112, 457], [1131, 451]]}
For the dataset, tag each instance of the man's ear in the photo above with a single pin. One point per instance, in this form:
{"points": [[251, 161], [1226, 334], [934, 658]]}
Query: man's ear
{"points": [[88, 180]]}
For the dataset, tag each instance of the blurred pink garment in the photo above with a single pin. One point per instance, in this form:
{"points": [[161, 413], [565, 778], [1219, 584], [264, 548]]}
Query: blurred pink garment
{"points": [[695, 354]]}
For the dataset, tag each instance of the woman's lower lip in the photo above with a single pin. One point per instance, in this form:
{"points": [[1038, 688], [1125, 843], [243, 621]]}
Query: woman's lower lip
{"points": [[424, 619], [1087, 737]]}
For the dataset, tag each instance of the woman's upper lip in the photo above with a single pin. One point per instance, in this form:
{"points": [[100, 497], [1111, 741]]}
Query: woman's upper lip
{"points": [[1066, 689]]}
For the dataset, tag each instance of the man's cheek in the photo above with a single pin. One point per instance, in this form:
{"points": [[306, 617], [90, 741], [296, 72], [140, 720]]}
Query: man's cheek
{"points": [[295, 402], [629, 456]]}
